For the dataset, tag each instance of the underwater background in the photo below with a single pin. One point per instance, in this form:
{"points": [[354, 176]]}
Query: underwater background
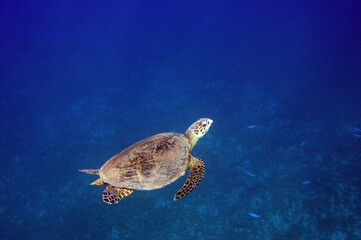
{"points": [[82, 80]]}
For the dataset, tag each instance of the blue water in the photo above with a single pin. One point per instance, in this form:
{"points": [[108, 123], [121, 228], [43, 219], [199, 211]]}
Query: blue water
{"points": [[82, 80]]}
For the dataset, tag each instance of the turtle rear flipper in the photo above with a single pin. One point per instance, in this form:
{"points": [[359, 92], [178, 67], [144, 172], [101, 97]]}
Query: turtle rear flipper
{"points": [[115, 194], [91, 171], [195, 177], [99, 181]]}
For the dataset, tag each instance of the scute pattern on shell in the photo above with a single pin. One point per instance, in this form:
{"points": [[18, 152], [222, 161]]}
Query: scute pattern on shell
{"points": [[149, 164]]}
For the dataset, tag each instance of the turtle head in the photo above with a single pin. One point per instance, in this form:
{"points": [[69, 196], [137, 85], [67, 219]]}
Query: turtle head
{"points": [[198, 129]]}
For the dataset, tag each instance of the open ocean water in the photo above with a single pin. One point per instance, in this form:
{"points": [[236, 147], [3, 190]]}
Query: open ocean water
{"points": [[82, 80]]}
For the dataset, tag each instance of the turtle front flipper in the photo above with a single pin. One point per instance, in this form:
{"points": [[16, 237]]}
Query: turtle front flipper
{"points": [[195, 177], [115, 194]]}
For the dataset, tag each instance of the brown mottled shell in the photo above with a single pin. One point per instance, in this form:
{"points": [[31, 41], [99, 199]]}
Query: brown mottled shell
{"points": [[149, 164]]}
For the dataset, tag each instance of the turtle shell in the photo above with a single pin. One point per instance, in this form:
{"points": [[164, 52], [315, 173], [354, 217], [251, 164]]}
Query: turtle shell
{"points": [[149, 164]]}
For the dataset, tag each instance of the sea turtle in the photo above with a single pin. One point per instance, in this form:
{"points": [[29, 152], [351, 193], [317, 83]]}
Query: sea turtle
{"points": [[153, 163]]}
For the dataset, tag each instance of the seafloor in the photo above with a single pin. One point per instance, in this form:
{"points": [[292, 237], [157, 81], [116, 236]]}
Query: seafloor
{"points": [[299, 172]]}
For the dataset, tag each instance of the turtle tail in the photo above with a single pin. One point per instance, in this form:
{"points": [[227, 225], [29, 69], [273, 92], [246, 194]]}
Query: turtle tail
{"points": [[90, 171]]}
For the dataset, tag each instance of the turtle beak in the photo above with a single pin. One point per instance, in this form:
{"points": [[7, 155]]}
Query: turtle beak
{"points": [[209, 121]]}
